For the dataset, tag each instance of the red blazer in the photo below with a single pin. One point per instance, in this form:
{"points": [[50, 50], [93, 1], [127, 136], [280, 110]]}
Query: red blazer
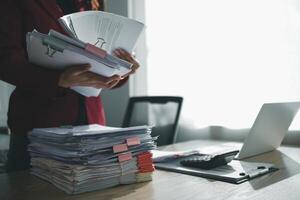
{"points": [[37, 101]]}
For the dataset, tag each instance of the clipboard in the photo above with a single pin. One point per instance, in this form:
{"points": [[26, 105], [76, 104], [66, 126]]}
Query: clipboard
{"points": [[234, 172]]}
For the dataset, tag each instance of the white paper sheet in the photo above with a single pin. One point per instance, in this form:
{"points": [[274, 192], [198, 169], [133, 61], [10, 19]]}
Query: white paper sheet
{"points": [[105, 30]]}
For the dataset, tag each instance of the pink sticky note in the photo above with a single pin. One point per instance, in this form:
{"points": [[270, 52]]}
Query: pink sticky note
{"points": [[133, 141], [124, 157], [120, 148], [95, 50]]}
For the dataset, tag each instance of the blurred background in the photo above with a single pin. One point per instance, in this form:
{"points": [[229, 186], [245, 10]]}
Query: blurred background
{"points": [[226, 58]]}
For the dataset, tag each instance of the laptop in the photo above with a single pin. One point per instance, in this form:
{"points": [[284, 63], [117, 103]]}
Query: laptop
{"points": [[269, 128], [266, 134]]}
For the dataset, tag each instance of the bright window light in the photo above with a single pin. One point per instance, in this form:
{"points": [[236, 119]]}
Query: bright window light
{"points": [[225, 57]]}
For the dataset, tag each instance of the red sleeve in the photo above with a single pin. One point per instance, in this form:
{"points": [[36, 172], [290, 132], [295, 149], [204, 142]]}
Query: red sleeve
{"points": [[14, 66]]}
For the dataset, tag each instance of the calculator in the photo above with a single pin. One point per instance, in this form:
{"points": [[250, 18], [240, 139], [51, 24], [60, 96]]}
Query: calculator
{"points": [[207, 161]]}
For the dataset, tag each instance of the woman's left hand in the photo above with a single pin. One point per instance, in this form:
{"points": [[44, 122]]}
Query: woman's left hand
{"points": [[95, 5], [124, 55]]}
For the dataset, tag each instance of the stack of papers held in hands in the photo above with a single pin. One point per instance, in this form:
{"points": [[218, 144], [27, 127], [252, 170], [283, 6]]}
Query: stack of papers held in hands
{"points": [[93, 35], [57, 51], [92, 157]]}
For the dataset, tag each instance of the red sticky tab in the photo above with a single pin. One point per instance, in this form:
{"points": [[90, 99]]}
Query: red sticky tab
{"points": [[120, 148], [95, 50], [145, 155], [144, 163], [133, 141], [148, 168], [124, 157]]}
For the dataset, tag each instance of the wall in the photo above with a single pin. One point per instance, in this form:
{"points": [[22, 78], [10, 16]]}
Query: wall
{"points": [[115, 101]]}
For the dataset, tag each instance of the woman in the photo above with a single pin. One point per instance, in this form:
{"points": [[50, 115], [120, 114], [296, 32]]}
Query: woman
{"points": [[42, 97]]}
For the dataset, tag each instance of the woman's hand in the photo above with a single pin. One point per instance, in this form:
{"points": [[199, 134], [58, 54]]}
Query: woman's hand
{"points": [[124, 55], [81, 76], [95, 5]]}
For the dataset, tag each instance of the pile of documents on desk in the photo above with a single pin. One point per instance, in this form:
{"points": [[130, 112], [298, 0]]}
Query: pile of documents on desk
{"points": [[92, 157], [92, 37]]}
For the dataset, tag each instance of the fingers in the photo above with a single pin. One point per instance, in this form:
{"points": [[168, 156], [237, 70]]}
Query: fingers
{"points": [[95, 5], [97, 81], [124, 76], [70, 76], [79, 69], [121, 53], [113, 84]]}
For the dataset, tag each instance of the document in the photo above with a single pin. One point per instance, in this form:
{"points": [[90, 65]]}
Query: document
{"points": [[93, 37], [92, 157], [91, 129], [48, 51], [107, 31]]}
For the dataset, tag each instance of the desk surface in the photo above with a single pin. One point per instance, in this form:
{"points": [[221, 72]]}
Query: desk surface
{"points": [[283, 184]]}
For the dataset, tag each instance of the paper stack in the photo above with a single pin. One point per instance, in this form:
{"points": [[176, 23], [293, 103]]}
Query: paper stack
{"points": [[93, 35], [92, 157], [57, 51]]}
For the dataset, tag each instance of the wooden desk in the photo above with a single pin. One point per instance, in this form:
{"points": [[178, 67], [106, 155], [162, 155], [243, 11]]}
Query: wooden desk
{"points": [[283, 184]]}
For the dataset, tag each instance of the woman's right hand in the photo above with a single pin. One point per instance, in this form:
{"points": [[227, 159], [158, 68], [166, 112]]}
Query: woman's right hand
{"points": [[81, 76]]}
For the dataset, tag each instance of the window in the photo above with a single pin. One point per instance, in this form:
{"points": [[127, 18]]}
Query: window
{"points": [[225, 57]]}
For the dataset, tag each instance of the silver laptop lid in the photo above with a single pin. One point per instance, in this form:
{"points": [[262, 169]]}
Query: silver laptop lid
{"points": [[269, 128]]}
